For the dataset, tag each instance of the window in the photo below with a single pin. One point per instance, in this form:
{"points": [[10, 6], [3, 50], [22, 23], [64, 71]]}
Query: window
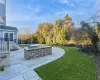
{"points": [[11, 36], [6, 36]]}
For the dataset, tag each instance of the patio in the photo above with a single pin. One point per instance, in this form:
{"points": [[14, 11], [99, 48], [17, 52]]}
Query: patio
{"points": [[22, 69]]}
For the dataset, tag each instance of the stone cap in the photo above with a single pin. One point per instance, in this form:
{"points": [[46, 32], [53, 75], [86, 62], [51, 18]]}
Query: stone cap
{"points": [[38, 47], [5, 52]]}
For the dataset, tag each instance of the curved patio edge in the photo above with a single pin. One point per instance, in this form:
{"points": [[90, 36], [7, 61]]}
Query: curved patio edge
{"points": [[22, 69], [56, 53]]}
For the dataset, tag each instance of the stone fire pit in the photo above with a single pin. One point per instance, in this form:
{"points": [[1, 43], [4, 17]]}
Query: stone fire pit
{"points": [[37, 51]]}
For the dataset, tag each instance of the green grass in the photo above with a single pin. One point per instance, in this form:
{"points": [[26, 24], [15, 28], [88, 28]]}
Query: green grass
{"points": [[72, 66]]}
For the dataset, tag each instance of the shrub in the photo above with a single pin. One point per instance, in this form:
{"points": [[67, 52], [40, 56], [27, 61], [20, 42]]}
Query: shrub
{"points": [[2, 68]]}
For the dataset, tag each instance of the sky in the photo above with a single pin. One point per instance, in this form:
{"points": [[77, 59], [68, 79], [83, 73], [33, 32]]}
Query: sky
{"points": [[29, 13]]}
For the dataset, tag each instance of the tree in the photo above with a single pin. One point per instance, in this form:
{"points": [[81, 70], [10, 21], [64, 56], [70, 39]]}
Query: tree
{"points": [[60, 32], [94, 37], [67, 17], [39, 33], [68, 22], [49, 40], [26, 36], [63, 35], [57, 33], [41, 39], [34, 38], [82, 36], [97, 29], [44, 32]]}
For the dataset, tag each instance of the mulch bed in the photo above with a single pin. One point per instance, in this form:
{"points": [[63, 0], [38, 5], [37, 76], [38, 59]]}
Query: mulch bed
{"points": [[96, 59]]}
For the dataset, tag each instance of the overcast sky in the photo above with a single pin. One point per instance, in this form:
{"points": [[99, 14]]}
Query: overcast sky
{"points": [[29, 13]]}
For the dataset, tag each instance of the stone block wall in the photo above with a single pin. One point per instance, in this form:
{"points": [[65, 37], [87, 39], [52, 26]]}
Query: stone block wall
{"points": [[5, 61], [37, 52]]}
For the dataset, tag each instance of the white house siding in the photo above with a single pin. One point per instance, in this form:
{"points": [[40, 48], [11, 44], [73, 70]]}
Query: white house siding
{"points": [[1, 34], [2, 13], [11, 45], [15, 36], [2, 10]]}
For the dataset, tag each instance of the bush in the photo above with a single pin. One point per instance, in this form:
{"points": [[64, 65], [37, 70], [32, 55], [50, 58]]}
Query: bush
{"points": [[85, 48], [70, 45], [2, 68]]}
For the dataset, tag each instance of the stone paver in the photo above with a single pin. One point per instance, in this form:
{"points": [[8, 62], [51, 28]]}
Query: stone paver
{"points": [[22, 69], [19, 77], [30, 74]]}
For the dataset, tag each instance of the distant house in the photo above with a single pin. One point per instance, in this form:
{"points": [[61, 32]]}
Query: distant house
{"points": [[8, 32]]}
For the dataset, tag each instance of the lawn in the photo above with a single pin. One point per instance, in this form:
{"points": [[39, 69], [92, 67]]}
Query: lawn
{"points": [[73, 65]]}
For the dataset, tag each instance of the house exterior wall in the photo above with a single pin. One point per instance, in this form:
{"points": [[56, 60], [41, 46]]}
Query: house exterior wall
{"points": [[14, 34], [1, 34], [2, 13], [2, 9]]}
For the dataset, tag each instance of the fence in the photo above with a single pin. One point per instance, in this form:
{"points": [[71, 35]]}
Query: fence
{"points": [[4, 44]]}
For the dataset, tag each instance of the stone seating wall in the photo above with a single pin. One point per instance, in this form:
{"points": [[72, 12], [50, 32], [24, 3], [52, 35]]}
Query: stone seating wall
{"points": [[37, 52]]}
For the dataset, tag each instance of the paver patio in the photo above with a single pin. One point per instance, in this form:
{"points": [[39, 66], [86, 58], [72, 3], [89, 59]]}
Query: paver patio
{"points": [[22, 69]]}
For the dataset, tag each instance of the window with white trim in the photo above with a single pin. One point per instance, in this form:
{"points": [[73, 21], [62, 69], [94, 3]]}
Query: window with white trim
{"points": [[11, 36], [6, 36]]}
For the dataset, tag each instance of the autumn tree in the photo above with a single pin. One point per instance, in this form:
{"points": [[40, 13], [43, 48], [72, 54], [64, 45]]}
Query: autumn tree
{"points": [[26, 36], [97, 29], [82, 36], [94, 36], [56, 33], [44, 33]]}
